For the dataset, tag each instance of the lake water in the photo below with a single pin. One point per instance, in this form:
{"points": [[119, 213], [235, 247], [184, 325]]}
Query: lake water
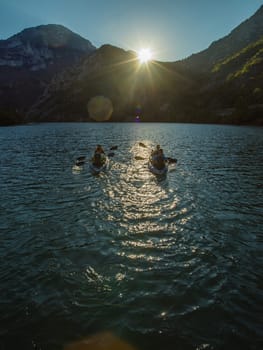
{"points": [[170, 263]]}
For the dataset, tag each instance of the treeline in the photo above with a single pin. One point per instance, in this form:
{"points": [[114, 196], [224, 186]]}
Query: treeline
{"points": [[10, 116]]}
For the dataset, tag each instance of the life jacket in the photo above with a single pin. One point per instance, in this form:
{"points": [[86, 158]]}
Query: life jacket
{"points": [[98, 158], [159, 161]]}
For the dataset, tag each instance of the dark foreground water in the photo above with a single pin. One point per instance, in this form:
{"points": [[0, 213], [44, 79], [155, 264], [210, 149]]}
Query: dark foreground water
{"points": [[173, 263]]}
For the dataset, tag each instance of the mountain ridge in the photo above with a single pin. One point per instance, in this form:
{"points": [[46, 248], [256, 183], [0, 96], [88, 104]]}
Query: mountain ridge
{"points": [[249, 30], [38, 47], [28, 62], [221, 84]]}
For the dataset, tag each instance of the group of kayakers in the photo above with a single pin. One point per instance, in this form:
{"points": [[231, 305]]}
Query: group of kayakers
{"points": [[157, 157]]}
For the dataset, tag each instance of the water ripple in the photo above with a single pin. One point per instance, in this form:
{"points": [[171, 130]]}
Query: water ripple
{"points": [[174, 261]]}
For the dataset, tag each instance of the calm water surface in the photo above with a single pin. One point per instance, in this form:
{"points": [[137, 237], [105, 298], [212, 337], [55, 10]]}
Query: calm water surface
{"points": [[172, 263]]}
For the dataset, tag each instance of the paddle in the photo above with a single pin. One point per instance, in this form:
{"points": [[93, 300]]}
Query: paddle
{"points": [[111, 154], [80, 161], [139, 158], [168, 159], [113, 148], [171, 160], [142, 145]]}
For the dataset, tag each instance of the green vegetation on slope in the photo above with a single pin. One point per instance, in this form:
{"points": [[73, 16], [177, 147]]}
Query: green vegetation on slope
{"points": [[241, 62]]}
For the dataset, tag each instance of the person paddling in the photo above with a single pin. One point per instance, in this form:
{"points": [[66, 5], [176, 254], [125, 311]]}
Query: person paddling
{"points": [[99, 156], [158, 158], [155, 152], [99, 149]]}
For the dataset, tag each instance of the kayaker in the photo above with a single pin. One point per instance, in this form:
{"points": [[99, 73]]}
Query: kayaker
{"points": [[99, 156], [156, 151], [99, 149], [158, 158]]}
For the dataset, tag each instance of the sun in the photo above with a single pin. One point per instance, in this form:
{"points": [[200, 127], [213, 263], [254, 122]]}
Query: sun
{"points": [[145, 55]]}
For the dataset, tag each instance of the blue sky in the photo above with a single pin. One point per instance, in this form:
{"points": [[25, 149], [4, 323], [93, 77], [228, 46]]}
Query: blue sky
{"points": [[173, 29]]}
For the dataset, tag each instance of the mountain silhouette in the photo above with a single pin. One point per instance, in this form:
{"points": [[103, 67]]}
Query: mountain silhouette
{"points": [[49, 73]]}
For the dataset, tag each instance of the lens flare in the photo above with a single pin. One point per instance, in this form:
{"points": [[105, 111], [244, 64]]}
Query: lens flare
{"points": [[100, 341], [100, 108]]}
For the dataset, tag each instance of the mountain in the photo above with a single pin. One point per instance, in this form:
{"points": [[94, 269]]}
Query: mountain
{"points": [[222, 84], [232, 92], [246, 33], [117, 75], [30, 59], [40, 47], [230, 75]]}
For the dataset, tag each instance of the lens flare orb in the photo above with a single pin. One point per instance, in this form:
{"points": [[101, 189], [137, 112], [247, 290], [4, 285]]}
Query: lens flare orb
{"points": [[100, 108]]}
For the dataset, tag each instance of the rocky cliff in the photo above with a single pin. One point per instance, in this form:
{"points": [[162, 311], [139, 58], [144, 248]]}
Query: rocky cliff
{"points": [[30, 59], [43, 46]]}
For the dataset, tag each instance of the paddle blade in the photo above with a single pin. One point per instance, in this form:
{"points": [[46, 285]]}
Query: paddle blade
{"points": [[142, 145], [139, 158], [79, 162], [81, 158], [113, 148], [172, 160]]}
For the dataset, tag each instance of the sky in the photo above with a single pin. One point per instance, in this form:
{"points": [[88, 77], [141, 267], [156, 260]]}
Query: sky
{"points": [[172, 29]]}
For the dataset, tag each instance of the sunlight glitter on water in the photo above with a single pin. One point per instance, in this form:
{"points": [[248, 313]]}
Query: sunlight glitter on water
{"points": [[140, 257], [171, 262]]}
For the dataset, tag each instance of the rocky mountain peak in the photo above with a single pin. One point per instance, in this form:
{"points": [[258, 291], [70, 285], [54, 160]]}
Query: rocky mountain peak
{"points": [[52, 36], [39, 47]]}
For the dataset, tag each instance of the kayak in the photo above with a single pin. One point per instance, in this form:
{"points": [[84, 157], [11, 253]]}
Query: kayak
{"points": [[96, 169], [155, 170]]}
